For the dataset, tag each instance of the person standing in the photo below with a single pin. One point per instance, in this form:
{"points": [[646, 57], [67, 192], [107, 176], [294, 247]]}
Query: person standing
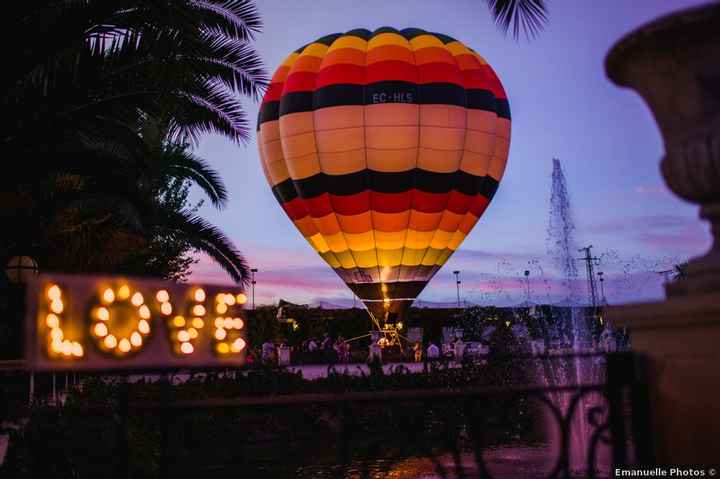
{"points": [[433, 352], [268, 351], [417, 348]]}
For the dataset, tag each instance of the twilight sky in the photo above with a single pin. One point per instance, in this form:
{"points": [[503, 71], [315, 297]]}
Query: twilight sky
{"points": [[562, 106]]}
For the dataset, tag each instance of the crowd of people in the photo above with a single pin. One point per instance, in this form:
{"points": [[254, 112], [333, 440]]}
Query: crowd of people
{"points": [[328, 350]]}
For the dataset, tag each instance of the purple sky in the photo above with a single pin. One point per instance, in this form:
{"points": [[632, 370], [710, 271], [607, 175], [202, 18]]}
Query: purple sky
{"points": [[562, 105]]}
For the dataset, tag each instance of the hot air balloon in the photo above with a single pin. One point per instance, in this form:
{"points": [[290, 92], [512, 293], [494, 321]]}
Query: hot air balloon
{"points": [[384, 148]]}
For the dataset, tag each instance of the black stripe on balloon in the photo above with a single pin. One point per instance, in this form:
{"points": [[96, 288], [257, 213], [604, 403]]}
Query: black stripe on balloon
{"points": [[296, 102], [363, 33], [389, 92], [373, 291], [269, 111], [503, 108], [410, 33], [354, 183]]}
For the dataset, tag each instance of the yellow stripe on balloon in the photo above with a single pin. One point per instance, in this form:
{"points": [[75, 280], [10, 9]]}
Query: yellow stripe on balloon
{"points": [[387, 39], [425, 41], [348, 41]]}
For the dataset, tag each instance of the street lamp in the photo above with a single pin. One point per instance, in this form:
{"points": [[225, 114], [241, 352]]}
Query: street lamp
{"points": [[527, 285], [21, 269], [457, 285], [252, 282], [602, 286]]}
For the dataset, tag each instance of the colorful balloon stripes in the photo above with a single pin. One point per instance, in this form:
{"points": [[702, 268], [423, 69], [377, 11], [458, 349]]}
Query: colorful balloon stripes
{"points": [[384, 148]]}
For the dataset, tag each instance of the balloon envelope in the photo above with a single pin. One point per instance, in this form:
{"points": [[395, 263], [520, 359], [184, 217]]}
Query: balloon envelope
{"points": [[384, 148]]}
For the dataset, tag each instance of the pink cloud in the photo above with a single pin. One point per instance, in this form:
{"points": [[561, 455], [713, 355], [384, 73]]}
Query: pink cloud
{"points": [[651, 189], [673, 234]]}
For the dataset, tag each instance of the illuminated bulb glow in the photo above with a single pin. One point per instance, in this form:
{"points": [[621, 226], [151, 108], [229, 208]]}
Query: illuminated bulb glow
{"points": [[229, 299], [101, 330], [52, 321], [124, 345], [221, 308], [56, 334], [108, 296], [54, 292], [67, 348], [220, 334], [124, 292], [238, 323], [199, 295], [186, 348], [237, 345], [198, 323], [219, 322], [183, 336], [241, 298], [162, 296], [137, 299], [56, 346], [144, 327], [102, 314], [198, 310], [223, 348], [110, 341], [178, 321], [193, 333], [166, 309], [77, 350], [56, 306]]}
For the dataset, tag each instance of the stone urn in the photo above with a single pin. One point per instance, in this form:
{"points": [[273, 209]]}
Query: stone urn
{"points": [[674, 64]]}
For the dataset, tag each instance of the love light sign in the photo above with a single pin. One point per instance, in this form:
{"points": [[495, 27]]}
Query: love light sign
{"points": [[82, 322]]}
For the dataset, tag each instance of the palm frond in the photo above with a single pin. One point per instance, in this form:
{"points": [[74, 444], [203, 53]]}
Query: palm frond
{"points": [[526, 16], [210, 240], [184, 165]]}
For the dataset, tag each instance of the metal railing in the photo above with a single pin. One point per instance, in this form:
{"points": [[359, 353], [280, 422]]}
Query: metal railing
{"points": [[455, 429]]}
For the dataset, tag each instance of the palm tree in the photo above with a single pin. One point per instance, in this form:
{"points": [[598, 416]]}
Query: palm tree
{"points": [[527, 16], [77, 100]]}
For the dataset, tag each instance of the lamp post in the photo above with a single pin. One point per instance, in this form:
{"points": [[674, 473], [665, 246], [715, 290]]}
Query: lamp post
{"points": [[527, 285], [252, 283], [457, 285], [602, 286], [21, 269]]}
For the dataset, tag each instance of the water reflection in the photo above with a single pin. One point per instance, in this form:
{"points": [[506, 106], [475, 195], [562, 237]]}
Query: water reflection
{"points": [[506, 462]]}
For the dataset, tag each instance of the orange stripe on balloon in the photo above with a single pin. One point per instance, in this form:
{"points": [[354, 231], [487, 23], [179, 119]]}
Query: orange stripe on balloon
{"points": [[389, 52]]}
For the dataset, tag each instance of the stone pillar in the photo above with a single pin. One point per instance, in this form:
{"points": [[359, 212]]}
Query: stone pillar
{"points": [[674, 64]]}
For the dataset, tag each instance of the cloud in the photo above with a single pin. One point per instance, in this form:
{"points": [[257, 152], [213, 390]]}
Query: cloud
{"points": [[651, 189], [674, 234], [487, 277]]}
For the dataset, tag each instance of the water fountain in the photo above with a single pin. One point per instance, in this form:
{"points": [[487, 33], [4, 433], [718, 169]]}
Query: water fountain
{"points": [[570, 334]]}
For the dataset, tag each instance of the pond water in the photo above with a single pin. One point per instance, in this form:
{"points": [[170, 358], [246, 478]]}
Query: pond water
{"points": [[506, 462]]}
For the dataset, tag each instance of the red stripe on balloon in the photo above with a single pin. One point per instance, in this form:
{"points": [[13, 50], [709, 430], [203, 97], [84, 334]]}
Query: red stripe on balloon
{"points": [[479, 205], [274, 92], [459, 203], [439, 73], [300, 81], [319, 206], [391, 202], [295, 209], [494, 82], [391, 70], [429, 202], [341, 73], [351, 204]]}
